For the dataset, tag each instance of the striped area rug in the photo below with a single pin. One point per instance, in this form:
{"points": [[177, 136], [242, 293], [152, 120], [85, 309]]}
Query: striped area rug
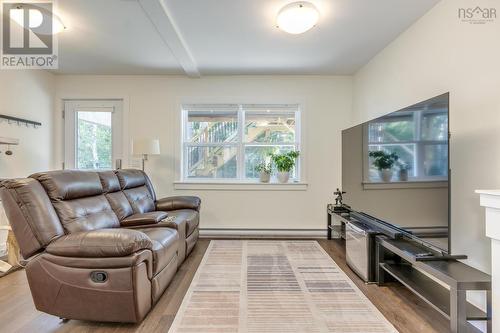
{"points": [[274, 286]]}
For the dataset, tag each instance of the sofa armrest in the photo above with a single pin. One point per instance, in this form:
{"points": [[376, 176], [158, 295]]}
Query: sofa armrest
{"points": [[143, 219], [100, 243], [179, 202]]}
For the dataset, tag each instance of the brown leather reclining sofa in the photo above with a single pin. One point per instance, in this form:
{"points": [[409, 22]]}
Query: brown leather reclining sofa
{"points": [[99, 245]]}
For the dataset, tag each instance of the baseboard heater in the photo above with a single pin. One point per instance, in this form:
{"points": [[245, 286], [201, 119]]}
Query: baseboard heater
{"points": [[262, 233]]}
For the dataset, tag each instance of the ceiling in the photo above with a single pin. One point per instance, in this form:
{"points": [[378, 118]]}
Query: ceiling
{"points": [[217, 37]]}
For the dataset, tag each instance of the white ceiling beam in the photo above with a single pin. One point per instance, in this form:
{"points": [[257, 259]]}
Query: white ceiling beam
{"points": [[162, 19]]}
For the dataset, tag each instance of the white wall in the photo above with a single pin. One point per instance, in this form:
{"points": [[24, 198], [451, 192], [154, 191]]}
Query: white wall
{"points": [[439, 53], [27, 94], [152, 107]]}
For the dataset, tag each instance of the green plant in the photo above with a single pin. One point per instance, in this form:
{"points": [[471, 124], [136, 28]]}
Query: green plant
{"points": [[285, 162], [264, 167], [383, 160]]}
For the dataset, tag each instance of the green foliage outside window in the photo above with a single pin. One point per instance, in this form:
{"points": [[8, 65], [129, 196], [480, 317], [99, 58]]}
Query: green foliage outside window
{"points": [[94, 145]]}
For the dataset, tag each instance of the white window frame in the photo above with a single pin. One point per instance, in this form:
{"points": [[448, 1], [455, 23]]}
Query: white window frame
{"points": [[70, 128], [240, 145]]}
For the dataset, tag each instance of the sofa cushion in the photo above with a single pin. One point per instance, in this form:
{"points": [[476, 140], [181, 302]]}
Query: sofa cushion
{"points": [[165, 242], [143, 219], [85, 214], [119, 204], [140, 199], [78, 199], [69, 184], [100, 243], [109, 181], [130, 178], [191, 217]]}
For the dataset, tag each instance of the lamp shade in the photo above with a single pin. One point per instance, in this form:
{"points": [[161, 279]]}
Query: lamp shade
{"points": [[146, 147]]}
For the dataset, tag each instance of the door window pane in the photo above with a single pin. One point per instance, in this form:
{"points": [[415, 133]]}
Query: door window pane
{"points": [[94, 140], [270, 128], [211, 162]]}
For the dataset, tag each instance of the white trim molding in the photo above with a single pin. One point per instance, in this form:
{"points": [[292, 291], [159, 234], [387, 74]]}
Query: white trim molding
{"points": [[404, 184], [263, 233], [240, 186], [490, 199]]}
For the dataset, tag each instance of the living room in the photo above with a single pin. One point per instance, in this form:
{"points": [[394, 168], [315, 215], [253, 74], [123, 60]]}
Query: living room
{"points": [[160, 82]]}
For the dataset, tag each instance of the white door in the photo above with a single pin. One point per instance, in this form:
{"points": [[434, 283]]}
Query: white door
{"points": [[93, 134]]}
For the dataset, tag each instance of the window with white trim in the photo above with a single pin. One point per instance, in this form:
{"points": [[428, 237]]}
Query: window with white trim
{"points": [[227, 141]]}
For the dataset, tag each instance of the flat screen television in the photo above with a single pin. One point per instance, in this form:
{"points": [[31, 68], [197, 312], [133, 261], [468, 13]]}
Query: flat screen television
{"points": [[396, 168]]}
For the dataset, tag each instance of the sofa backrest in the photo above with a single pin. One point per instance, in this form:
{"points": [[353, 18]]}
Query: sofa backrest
{"points": [[31, 214], [137, 188], [113, 193], [78, 199]]}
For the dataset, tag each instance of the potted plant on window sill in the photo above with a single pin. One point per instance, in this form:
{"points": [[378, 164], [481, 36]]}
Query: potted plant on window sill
{"points": [[404, 169], [284, 163], [384, 163], [264, 169]]}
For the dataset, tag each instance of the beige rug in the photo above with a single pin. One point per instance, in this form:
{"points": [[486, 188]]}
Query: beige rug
{"points": [[274, 286]]}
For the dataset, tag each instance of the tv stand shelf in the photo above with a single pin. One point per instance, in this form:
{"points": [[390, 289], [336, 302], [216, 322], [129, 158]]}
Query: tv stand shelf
{"points": [[429, 290], [397, 259]]}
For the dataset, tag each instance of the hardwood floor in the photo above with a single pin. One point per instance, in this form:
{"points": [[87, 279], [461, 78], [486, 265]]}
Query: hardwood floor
{"points": [[404, 310]]}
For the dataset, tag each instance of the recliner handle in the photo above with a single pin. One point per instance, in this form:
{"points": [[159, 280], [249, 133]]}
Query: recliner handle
{"points": [[99, 276]]}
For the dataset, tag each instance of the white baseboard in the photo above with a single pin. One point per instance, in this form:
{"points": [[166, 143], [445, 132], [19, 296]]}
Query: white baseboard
{"points": [[263, 233]]}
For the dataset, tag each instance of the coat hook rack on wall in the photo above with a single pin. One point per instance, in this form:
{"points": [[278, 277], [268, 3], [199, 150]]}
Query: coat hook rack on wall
{"points": [[19, 121], [9, 142]]}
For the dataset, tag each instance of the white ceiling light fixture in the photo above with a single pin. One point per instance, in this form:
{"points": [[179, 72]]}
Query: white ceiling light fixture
{"points": [[36, 17], [58, 24], [297, 17]]}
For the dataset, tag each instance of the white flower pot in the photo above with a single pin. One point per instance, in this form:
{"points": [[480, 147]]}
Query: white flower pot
{"points": [[385, 175], [264, 177], [283, 177]]}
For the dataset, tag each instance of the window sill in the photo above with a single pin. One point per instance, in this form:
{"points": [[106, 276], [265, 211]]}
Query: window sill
{"points": [[240, 186], [404, 185]]}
